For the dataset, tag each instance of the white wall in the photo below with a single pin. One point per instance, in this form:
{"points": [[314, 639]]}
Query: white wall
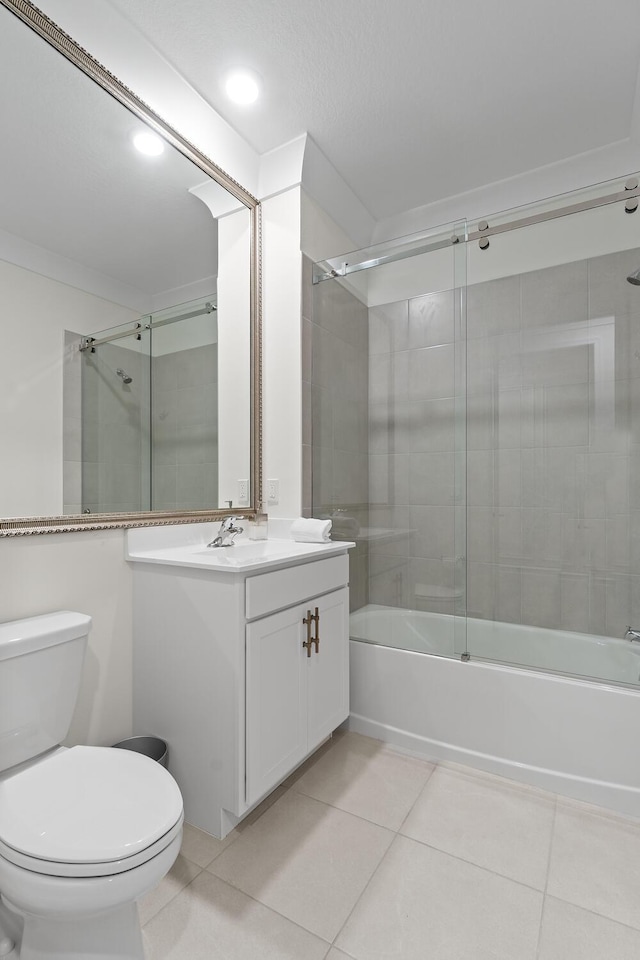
{"points": [[234, 383], [596, 166], [321, 236], [282, 397], [37, 311], [86, 572]]}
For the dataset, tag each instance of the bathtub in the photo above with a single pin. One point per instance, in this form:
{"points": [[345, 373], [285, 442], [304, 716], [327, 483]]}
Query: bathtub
{"points": [[574, 736]]}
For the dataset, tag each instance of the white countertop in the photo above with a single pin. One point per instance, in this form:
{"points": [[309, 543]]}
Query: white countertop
{"points": [[185, 545]]}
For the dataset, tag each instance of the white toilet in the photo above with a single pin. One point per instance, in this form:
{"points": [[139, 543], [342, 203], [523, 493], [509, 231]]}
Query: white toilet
{"points": [[84, 831]]}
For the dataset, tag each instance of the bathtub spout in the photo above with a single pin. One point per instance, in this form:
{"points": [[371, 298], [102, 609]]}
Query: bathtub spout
{"points": [[632, 634]]}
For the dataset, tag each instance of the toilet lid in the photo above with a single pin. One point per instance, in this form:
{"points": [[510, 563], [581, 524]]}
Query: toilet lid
{"points": [[88, 805]]}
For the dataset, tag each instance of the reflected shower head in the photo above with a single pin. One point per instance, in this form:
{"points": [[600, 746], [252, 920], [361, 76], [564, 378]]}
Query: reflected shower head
{"points": [[125, 379], [634, 278]]}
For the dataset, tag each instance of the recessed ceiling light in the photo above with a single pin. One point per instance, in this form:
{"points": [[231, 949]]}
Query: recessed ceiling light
{"points": [[242, 86], [148, 143]]}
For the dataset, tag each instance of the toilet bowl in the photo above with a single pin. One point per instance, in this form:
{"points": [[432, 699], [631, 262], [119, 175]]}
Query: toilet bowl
{"points": [[435, 598], [84, 831]]}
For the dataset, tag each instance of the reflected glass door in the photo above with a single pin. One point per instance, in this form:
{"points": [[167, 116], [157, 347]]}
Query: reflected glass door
{"points": [[115, 423], [184, 402]]}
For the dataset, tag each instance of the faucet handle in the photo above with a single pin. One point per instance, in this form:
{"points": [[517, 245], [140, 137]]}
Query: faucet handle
{"points": [[229, 522]]}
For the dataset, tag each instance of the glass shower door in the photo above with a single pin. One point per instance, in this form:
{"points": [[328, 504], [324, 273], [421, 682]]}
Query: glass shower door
{"points": [[388, 451], [553, 434], [115, 422]]}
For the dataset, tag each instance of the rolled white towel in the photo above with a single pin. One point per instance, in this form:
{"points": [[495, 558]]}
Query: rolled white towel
{"points": [[309, 530]]}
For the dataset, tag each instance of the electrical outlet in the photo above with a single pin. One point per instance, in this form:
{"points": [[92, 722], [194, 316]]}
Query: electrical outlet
{"points": [[273, 491], [243, 493]]}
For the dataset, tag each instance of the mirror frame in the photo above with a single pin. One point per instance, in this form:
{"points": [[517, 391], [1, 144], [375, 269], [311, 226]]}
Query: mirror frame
{"points": [[21, 526]]}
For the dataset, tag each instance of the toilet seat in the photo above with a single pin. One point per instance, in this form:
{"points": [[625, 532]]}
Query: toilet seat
{"points": [[87, 812]]}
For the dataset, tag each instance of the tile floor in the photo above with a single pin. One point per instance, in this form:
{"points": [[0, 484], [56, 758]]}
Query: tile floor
{"points": [[368, 854]]}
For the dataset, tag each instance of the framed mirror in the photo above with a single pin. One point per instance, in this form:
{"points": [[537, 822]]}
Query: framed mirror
{"points": [[130, 368]]}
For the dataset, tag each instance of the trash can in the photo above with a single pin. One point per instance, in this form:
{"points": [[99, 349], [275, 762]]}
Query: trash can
{"points": [[152, 747]]}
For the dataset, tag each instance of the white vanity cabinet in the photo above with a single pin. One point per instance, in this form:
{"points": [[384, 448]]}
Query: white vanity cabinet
{"points": [[229, 674], [297, 686]]}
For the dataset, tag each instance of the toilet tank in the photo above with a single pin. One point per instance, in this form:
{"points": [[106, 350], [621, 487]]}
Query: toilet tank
{"points": [[40, 669]]}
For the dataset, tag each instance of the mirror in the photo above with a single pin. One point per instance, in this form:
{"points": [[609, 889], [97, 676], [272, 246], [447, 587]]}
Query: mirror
{"points": [[129, 370]]}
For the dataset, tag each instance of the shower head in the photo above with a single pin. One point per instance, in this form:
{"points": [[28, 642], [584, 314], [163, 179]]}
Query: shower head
{"points": [[634, 278], [125, 379]]}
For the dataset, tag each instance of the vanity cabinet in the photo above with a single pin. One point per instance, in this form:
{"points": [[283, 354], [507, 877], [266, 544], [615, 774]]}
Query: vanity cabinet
{"points": [[228, 672], [296, 686]]}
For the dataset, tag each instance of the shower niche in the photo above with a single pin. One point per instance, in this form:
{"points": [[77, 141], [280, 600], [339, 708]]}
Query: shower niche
{"points": [[141, 414]]}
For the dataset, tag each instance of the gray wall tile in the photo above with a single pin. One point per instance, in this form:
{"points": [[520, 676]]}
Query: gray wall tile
{"points": [[555, 296], [431, 372], [431, 319]]}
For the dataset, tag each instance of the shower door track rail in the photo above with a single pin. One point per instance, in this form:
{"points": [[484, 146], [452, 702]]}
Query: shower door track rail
{"points": [[89, 343], [567, 211], [345, 268]]}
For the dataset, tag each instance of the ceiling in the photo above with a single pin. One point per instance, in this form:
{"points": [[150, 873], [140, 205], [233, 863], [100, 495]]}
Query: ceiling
{"points": [[92, 199], [415, 100]]}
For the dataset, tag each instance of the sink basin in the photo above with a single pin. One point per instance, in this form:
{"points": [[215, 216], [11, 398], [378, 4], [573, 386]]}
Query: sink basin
{"points": [[250, 551]]}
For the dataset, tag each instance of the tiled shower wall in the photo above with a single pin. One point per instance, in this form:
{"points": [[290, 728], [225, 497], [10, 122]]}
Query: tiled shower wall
{"points": [[335, 347], [553, 447], [184, 429], [122, 468], [415, 476], [115, 430], [552, 500]]}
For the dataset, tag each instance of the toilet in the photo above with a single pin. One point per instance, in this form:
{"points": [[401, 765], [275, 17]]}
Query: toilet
{"points": [[84, 831], [434, 598]]}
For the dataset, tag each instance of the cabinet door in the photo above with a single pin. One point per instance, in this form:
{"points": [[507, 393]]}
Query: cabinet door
{"points": [[276, 734], [328, 669]]}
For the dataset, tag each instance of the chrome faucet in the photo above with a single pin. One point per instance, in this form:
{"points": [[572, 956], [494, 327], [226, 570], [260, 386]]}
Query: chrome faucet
{"points": [[227, 532], [632, 634]]}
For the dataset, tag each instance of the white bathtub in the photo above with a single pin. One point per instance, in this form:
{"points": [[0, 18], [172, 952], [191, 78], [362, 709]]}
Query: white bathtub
{"points": [[575, 737]]}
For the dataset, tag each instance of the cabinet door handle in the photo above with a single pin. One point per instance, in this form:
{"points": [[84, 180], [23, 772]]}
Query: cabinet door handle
{"points": [[316, 639], [308, 643]]}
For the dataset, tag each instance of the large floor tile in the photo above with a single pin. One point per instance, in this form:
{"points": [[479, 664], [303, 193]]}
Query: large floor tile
{"points": [[595, 862], [212, 921], [180, 875], [307, 860], [362, 776], [570, 933], [200, 847], [487, 820], [422, 903]]}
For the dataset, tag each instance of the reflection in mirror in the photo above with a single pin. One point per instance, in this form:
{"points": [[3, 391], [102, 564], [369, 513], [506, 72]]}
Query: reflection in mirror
{"points": [[95, 239], [140, 414]]}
